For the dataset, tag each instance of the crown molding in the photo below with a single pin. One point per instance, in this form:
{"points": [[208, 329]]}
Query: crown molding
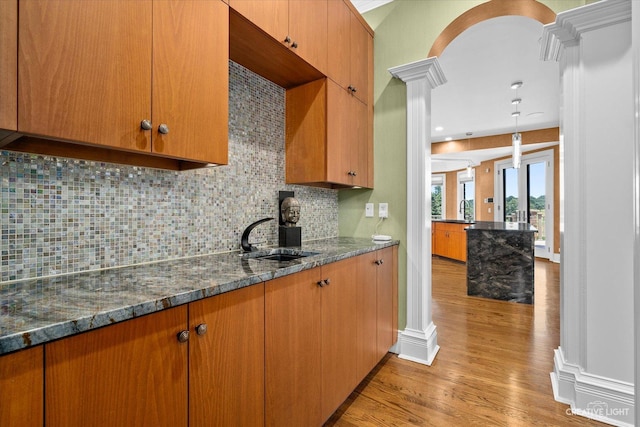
{"points": [[571, 24], [429, 68]]}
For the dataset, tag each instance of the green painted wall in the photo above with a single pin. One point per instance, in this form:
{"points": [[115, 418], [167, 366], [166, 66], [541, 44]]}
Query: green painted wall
{"points": [[404, 32]]}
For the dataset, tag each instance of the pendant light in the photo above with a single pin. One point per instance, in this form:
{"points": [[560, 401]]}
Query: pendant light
{"points": [[516, 138]]}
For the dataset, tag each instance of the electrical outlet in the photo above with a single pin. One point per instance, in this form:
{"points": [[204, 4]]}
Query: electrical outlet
{"points": [[368, 210], [383, 210]]}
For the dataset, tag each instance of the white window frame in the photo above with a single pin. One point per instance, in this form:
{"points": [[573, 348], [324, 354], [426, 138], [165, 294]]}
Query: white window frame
{"points": [[462, 178], [441, 179]]}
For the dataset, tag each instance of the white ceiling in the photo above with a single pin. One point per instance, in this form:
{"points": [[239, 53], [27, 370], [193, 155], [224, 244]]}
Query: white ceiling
{"points": [[480, 65]]}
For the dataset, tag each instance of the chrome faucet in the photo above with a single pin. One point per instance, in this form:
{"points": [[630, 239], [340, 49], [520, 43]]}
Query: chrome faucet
{"points": [[463, 208], [244, 242]]}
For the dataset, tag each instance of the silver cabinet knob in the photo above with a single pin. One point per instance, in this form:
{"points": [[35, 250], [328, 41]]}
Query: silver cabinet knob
{"points": [[294, 45], [201, 329], [183, 336], [320, 283], [378, 262], [146, 125], [327, 281], [287, 40], [163, 129]]}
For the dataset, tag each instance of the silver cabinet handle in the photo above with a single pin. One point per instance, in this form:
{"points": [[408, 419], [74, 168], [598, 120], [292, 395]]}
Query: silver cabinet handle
{"points": [[146, 125], [183, 336], [201, 329], [163, 129]]}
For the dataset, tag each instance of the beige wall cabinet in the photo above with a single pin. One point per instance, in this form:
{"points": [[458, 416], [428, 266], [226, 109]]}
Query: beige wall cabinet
{"points": [[300, 25], [138, 372], [450, 240], [21, 388], [92, 73], [327, 137]]}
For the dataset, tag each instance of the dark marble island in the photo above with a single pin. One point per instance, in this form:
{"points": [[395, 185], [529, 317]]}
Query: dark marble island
{"points": [[500, 261]]}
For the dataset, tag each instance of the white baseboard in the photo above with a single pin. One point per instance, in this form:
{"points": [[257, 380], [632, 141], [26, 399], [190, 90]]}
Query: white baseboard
{"points": [[418, 346], [591, 396], [555, 258]]}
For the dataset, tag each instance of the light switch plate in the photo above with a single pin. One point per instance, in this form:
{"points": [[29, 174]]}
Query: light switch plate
{"points": [[383, 210], [368, 210]]}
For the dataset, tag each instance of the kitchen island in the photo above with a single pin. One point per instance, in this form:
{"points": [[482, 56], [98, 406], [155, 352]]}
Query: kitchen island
{"points": [[500, 261]]}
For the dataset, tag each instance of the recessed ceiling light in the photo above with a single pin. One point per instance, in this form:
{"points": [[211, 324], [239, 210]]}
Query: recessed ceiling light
{"points": [[516, 101], [515, 114], [536, 113], [448, 138], [516, 85], [469, 133], [439, 128]]}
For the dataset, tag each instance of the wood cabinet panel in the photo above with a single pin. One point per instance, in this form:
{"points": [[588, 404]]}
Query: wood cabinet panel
{"points": [[191, 79], [367, 314], [272, 16], [85, 71], [228, 360], [339, 302], [360, 59], [339, 131], [293, 359], [339, 42], [385, 301], [450, 240], [22, 388], [308, 22], [130, 373], [9, 64]]}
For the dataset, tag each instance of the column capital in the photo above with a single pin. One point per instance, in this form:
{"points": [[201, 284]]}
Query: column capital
{"points": [[428, 68]]}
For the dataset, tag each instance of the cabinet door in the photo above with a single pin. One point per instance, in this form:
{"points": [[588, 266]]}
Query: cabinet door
{"points": [[339, 130], [308, 30], [132, 373], [84, 71], [22, 385], [191, 79], [339, 43], [272, 16], [8, 64], [339, 349], [385, 301], [293, 359], [361, 156], [367, 314], [226, 363], [360, 59]]}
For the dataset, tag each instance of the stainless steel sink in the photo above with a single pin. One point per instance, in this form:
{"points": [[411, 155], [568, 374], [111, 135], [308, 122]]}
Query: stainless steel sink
{"points": [[281, 255]]}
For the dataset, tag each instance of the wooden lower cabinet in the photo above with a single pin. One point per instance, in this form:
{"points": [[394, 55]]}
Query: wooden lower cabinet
{"points": [[321, 341], [132, 373], [137, 373], [226, 362], [450, 240], [21, 388]]}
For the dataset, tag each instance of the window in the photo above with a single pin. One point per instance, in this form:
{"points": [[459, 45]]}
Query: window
{"points": [[466, 195], [438, 196]]}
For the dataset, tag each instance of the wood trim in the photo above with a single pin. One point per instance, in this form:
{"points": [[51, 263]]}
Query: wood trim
{"points": [[494, 141], [49, 147], [491, 9], [9, 64]]}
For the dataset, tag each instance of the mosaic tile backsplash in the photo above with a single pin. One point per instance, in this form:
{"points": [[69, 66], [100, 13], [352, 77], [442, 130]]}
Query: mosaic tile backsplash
{"points": [[63, 215]]}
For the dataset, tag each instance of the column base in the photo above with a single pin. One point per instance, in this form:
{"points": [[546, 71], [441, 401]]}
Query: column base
{"points": [[419, 346]]}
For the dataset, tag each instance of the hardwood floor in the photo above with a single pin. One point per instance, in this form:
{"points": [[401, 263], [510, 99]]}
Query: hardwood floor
{"points": [[492, 368]]}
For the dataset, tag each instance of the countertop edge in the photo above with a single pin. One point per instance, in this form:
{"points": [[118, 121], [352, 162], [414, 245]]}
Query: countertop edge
{"points": [[31, 337]]}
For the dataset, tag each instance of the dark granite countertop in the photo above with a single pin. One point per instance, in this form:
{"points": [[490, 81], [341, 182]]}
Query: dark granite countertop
{"points": [[36, 311], [454, 221], [501, 226]]}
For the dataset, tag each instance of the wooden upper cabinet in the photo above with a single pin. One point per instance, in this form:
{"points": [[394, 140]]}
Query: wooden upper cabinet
{"points": [[191, 79], [272, 16], [22, 388], [88, 72], [130, 373], [226, 361], [300, 25], [85, 71], [327, 137], [350, 53], [8, 65]]}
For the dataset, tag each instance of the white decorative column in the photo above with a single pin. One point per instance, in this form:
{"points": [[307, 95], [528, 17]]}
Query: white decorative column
{"points": [[419, 340], [594, 365]]}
